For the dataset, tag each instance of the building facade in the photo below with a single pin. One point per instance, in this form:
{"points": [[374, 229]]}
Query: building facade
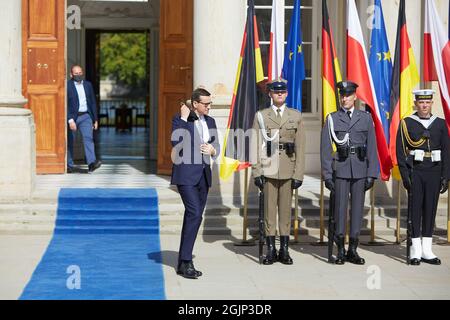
{"points": [[192, 43]]}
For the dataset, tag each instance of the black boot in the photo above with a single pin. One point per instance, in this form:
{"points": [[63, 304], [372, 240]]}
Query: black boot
{"points": [[352, 255], [340, 257], [284, 257], [272, 254]]}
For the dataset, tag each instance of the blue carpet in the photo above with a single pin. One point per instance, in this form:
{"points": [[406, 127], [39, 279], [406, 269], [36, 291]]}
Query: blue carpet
{"points": [[111, 236]]}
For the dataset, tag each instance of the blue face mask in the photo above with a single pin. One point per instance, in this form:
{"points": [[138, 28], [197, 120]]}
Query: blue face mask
{"points": [[78, 78]]}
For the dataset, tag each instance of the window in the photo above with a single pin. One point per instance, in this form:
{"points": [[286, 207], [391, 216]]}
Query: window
{"points": [[263, 10]]}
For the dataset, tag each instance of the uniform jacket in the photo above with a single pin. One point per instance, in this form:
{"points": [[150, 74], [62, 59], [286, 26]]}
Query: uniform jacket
{"points": [[439, 140], [188, 162], [73, 102], [279, 166], [361, 132]]}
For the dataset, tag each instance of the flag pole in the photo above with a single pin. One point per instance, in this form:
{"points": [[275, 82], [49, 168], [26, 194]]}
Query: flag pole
{"points": [[447, 242], [397, 233], [244, 241], [296, 222], [372, 241], [322, 222]]}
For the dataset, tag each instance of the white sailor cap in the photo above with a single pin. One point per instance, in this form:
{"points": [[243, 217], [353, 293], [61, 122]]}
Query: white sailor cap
{"points": [[424, 94]]}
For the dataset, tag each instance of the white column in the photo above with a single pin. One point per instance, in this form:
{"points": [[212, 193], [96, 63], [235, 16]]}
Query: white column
{"points": [[17, 130], [11, 54], [218, 30]]}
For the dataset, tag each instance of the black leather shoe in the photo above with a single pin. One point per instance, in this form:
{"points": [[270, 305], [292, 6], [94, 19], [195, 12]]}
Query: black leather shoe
{"points": [[272, 254], [94, 166], [283, 256], [187, 270], [435, 261], [414, 262], [340, 257], [352, 255], [76, 170]]}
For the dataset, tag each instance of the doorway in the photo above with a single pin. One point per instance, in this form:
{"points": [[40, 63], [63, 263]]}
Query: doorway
{"points": [[117, 54], [55, 36]]}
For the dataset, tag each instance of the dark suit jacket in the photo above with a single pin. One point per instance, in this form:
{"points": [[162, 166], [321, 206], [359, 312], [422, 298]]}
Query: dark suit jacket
{"points": [[73, 102], [188, 162]]}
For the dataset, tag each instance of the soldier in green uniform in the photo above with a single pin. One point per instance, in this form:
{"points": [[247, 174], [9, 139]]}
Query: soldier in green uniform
{"points": [[279, 166]]}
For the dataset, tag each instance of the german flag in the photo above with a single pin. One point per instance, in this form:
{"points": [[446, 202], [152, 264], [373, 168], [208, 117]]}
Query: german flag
{"points": [[331, 73], [245, 99], [405, 77]]}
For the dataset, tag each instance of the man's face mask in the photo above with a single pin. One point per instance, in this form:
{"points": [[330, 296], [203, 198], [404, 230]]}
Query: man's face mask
{"points": [[78, 78]]}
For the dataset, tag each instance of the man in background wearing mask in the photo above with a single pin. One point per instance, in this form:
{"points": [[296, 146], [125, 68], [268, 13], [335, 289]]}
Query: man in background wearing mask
{"points": [[82, 116]]}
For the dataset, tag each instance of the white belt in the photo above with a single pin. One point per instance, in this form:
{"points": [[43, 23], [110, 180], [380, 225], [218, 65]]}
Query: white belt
{"points": [[419, 155]]}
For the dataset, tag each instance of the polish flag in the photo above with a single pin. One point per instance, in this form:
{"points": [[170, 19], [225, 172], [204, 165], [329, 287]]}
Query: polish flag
{"points": [[437, 55], [358, 71], [276, 50]]}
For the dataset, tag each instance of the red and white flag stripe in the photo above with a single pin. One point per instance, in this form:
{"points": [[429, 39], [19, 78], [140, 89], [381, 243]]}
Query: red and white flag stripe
{"points": [[437, 41], [276, 51], [358, 71]]}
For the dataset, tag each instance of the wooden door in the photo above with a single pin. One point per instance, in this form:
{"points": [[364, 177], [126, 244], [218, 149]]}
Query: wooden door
{"points": [[43, 79], [175, 76]]}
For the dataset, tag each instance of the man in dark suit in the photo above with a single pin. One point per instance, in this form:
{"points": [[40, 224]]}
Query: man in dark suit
{"points": [[195, 141], [82, 116]]}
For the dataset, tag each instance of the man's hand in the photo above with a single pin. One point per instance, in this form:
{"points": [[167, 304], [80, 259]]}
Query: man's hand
{"points": [[184, 110], [407, 184], [72, 125], [259, 182], [369, 183], [444, 185], [295, 184], [96, 125], [208, 149], [329, 184]]}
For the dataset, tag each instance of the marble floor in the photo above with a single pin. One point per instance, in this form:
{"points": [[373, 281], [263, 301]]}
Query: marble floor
{"points": [[121, 148]]}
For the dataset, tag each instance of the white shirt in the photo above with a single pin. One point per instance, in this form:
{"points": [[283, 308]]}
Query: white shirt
{"points": [[351, 111], [81, 97], [274, 108], [205, 130], [201, 121]]}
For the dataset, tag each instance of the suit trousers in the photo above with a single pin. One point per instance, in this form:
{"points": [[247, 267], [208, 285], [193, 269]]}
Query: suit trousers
{"points": [[353, 188], [85, 126], [194, 200], [425, 196], [278, 202]]}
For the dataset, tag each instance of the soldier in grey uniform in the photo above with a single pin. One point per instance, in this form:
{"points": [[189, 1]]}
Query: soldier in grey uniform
{"points": [[352, 169], [279, 166], [423, 158]]}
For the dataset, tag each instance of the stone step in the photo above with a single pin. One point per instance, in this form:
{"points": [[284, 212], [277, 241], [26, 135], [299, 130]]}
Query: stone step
{"points": [[171, 224]]}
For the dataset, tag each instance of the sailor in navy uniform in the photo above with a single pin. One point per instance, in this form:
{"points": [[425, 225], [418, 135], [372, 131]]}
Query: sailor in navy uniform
{"points": [[423, 149]]}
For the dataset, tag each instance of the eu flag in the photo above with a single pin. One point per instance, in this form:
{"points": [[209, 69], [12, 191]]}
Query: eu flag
{"points": [[381, 66], [294, 62]]}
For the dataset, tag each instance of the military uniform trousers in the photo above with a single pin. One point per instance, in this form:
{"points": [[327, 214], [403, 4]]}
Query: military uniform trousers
{"points": [[425, 196], [355, 189], [278, 202]]}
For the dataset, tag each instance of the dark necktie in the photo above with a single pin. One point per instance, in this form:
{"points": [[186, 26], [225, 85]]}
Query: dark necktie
{"points": [[349, 113], [278, 114]]}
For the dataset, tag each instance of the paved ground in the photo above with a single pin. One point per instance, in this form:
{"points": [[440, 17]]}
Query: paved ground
{"points": [[232, 272]]}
